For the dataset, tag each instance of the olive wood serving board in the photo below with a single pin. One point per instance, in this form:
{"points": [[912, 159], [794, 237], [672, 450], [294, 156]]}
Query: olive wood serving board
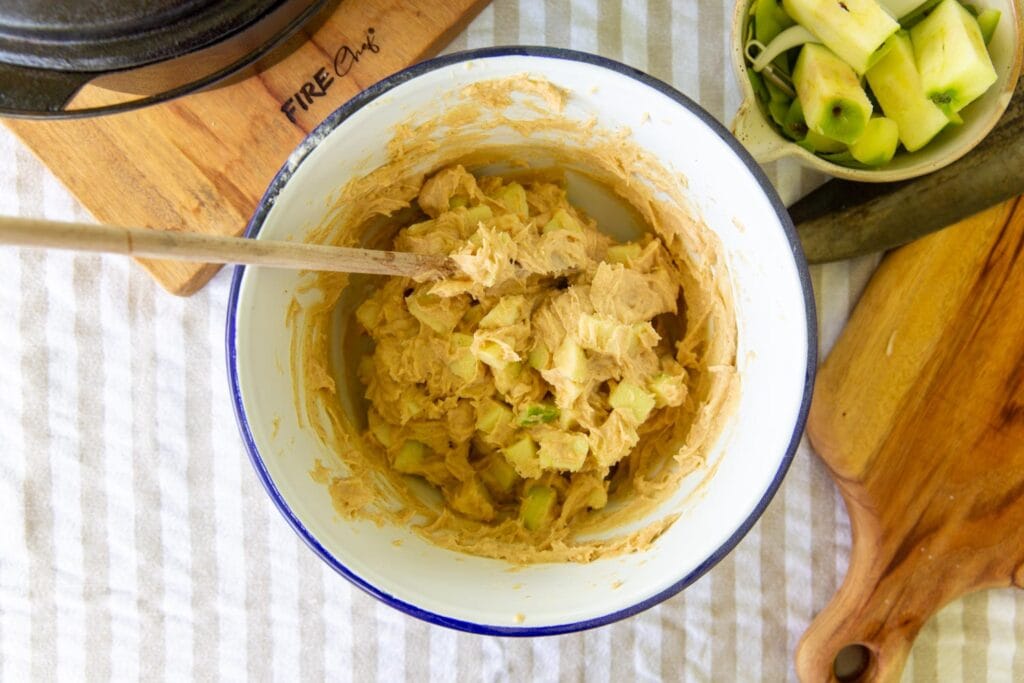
{"points": [[919, 414], [202, 162]]}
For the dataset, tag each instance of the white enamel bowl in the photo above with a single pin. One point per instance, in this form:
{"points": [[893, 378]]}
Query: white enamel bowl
{"points": [[776, 356]]}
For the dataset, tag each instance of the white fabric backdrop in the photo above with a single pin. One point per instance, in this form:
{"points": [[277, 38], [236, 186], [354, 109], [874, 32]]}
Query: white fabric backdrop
{"points": [[137, 541]]}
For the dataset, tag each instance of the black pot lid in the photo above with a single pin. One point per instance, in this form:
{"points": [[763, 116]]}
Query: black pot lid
{"points": [[110, 35]]}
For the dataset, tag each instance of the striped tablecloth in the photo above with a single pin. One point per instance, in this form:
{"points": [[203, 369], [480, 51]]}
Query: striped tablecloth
{"points": [[137, 541]]}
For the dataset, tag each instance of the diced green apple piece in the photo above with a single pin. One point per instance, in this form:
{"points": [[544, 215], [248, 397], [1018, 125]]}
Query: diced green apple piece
{"points": [[368, 313], [475, 215], [539, 356], [988, 20], [463, 363], [471, 499], [508, 311], [897, 87], [436, 313], [522, 455], [538, 508], [383, 431], [561, 220], [498, 475], [491, 415], [566, 451], [513, 197], [668, 390], [834, 103], [769, 20], [793, 126], [623, 253], [951, 56], [819, 144], [877, 146], [855, 30], [571, 361], [410, 457], [632, 400]]}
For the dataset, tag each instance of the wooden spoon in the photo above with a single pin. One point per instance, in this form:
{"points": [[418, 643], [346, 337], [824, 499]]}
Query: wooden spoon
{"points": [[201, 248]]}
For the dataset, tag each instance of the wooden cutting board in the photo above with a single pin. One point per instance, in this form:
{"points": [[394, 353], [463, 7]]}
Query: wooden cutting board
{"points": [[919, 414], [202, 162]]}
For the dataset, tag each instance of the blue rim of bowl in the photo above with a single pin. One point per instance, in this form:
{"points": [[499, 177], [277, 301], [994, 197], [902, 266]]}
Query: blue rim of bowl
{"points": [[373, 92]]}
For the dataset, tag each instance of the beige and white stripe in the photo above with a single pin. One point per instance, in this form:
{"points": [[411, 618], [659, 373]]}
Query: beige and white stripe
{"points": [[139, 544]]}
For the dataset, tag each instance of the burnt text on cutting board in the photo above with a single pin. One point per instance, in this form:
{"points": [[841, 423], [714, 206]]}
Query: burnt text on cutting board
{"points": [[345, 59]]}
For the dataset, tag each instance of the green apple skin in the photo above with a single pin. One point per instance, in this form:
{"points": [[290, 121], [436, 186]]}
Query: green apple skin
{"points": [[834, 103], [951, 56], [897, 86]]}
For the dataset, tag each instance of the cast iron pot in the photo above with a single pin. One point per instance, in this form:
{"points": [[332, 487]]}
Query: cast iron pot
{"points": [[156, 49]]}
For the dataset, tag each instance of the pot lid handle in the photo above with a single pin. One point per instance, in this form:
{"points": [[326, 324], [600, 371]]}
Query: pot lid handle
{"points": [[25, 91]]}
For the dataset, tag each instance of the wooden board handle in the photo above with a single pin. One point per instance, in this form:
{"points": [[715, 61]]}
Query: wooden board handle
{"points": [[859, 617], [205, 248]]}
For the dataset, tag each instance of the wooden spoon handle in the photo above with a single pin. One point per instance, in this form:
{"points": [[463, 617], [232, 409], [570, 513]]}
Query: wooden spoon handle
{"points": [[202, 248]]}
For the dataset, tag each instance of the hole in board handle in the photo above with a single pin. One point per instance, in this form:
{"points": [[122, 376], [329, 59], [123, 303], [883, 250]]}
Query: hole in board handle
{"points": [[851, 663]]}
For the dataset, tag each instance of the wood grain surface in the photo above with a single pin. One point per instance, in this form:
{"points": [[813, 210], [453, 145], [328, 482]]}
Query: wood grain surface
{"points": [[202, 162], [919, 414]]}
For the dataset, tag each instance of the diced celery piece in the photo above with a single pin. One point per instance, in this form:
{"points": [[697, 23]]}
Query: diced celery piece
{"points": [[538, 507], [410, 457], [632, 400], [513, 197], [538, 413], [508, 311], [623, 253], [491, 415], [562, 220], [539, 356], [571, 360]]}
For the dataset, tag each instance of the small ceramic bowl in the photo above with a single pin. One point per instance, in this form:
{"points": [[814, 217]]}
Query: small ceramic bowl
{"points": [[717, 505], [755, 129]]}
